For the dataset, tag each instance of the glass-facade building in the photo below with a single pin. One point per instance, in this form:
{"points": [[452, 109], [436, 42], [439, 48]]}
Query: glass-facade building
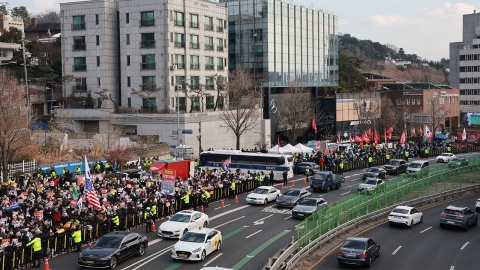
{"points": [[283, 44]]}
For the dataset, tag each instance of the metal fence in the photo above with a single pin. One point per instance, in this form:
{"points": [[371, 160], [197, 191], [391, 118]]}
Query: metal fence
{"points": [[24, 166]]}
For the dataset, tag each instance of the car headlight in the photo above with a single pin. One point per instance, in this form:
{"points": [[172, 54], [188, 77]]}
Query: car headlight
{"points": [[173, 249], [197, 250], [105, 258]]}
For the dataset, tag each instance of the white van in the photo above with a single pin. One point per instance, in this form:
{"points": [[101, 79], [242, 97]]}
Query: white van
{"points": [[419, 166]]}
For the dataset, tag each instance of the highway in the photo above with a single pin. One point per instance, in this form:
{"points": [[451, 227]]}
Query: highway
{"points": [[251, 234], [426, 246]]}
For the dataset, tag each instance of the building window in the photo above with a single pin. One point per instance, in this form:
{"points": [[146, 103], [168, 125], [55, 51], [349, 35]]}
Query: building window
{"points": [[208, 23], [80, 64], [209, 43], [128, 39], [97, 20], [98, 81], [208, 83], [147, 18], [148, 40], [219, 44], [180, 61], [79, 43], [195, 104], [408, 101], [128, 60], [194, 62], [3, 53], [129, 83], [220, 102], [81, 84], [179, 19], [194, 42], [78, 23], [179, 40], [97, 40], [418, 101], [180, 80], [194, 82], [399, 102], [209, 104], [149, 104], [182, 106], [129, 102], [220, 25], [127, 17], [413, 101], [209, 63], [194, 20], [219, 63], [148, 61], [98, 61], [148, 83], [441, 100]]}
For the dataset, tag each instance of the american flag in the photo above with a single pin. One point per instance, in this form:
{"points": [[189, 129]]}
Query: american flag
{"points": [[92, 197], [227, 162]]}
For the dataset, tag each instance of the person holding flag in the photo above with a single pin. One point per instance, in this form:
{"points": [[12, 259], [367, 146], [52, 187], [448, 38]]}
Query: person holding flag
{"points": [[464, 135], [226, 163], [92, 197]]}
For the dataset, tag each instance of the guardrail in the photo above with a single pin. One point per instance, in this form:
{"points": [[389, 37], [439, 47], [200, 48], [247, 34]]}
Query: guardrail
{"points": [[360, 208]]}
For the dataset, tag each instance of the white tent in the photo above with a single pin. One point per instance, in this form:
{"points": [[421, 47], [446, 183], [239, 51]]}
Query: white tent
{"points": [[304, 148], [275, 150], [290, 149]]}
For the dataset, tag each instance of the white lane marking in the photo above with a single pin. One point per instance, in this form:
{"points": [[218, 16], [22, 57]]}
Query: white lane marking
{"points": [[288, 217], [229, 211], [262, 219], [452, 267], [396, 250], [345, 193], [228, 222], [465, 245], [221, 207], [213, 259], [426, 229], [155, 241], [154, 255], [253, 234]]}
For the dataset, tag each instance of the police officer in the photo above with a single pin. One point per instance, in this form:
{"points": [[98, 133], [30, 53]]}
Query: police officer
{"points": [[115, 221], [154, 212], [341, 165], [205, 197], [406, 155], [307, 173], [36, 244], [186, 201], [449, 149], [271, 175], [77, 238], [79, 171], [285, 174], [232, 189], [147, 216], [387, 157], [370, 161], [426, 152]]}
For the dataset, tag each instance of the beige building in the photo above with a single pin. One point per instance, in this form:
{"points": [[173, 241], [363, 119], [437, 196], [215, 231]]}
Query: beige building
{"points": [[7, 23], [6, 50]]}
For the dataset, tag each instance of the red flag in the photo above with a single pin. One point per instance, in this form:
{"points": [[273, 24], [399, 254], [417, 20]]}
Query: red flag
{"points": [[314, 125], [361, 145], [402, 139], [278, 141], [370, 134], [377, 137], [365, 138], [421, 132], [357, 138], [413, 131], [389, 132], [350, 137], [385, 135], [339, 137]]}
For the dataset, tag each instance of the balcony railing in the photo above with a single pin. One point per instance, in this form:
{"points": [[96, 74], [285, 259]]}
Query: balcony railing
{"points": [[147, 65], [146, 23], [194, 45], [208, 47], [179, 44], [209, 67], [219, 67], [194, 66], [220, 48], [193, 24], [179, 22], [208, 87], [78, 26], [79, 87], [147, 44], [79, 67], [209, 27], [219, 29], [180, 65], [79, 47]]}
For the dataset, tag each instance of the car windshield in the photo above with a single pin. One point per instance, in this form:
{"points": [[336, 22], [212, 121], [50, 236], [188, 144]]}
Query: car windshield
{"points": [[453, 212], [400, 211], [392, 162], [308, 202], [303, 165], [260, 191], [445, 155], [180, 218], [108, 242], [193, 237], [354, 244], [456, 160], [319, 177], [371, 182], [292, 192], [373, 170], [415, 165]]}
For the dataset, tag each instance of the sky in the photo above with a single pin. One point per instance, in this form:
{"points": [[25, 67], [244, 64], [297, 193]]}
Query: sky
{"points": [[422, 27]]}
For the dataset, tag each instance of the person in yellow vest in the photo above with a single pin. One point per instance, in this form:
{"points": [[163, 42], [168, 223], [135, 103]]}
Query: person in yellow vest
{"points": [[79, 171], [406, 155], [108, 167], [154, 212], [36, 244], [115, 222], [307, 173], [54, 174], [449, 149], [426, 152], [186, 201], [232, 189], [77, 238], [258, 181], [370, 161], [341, 165], [206, 198], [387, 157], [195, 164], [98, 168], [147, 216], [11, 181]]}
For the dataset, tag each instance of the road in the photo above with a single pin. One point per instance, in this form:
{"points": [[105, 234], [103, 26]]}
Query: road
{"points": [[251, 234], [426, 246]]}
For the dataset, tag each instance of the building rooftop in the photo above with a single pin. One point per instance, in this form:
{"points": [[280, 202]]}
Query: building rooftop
{"points": [[414, 86], [44, 26], [371, 76]]}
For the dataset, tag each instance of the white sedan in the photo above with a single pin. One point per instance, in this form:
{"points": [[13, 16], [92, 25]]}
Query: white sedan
{"points": [[405, 215], [182, 222], [196, 244], [445, 157], [263, 195]]}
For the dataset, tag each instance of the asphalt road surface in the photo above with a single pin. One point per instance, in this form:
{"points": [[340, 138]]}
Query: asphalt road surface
{"points": [[424, 247], [251, 234]]}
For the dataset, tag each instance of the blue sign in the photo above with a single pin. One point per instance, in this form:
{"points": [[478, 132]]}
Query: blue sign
{"points": [[187, 131], [173, 146], [71, 166]]}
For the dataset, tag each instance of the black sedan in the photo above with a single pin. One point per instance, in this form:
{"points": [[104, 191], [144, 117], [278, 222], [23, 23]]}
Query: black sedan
{"points": [[291, 197], [374, 173], [302, 166], [113, 248], [358, 251]]}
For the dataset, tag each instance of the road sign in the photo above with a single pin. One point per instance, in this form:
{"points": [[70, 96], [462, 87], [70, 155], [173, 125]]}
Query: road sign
{"points": [[187, 131], [173, 146]]}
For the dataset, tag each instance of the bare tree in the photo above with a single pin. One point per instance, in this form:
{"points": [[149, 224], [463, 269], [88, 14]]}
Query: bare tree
{"points": [[437, 111], [243, 111], [195, 93], [47, 15], [56, 80], [47, 52], [391, 115], [106, 95], [295, 115], [14, 121], [368, 110], [221, 85], [146, 92]]}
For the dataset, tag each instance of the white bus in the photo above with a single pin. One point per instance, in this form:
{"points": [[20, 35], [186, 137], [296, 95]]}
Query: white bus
{"points": [[246, 161]]}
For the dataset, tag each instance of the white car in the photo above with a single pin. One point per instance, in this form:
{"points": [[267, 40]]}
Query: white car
{"points": [[263, 195], [405, 215], [196, 244], [372, 185], [445, 157], [182, 222], [477, 205]]}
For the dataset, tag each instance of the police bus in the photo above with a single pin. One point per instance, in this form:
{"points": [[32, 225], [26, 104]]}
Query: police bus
{"points": [[248, 161]]}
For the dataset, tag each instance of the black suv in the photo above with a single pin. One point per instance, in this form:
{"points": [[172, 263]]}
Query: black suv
{"points": [[395, 166], [456, 216]]}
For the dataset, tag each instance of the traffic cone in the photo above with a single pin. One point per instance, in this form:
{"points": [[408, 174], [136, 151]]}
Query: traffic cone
{"points": [[305, 180], [236, 199], [223, 204], [282, 187], [293, 183], [90, 244], [202, 210], [153, 229], [45, 265]]}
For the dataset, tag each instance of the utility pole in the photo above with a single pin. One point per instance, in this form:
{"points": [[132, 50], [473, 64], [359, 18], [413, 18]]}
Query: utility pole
{"points": [[24, 42]]}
